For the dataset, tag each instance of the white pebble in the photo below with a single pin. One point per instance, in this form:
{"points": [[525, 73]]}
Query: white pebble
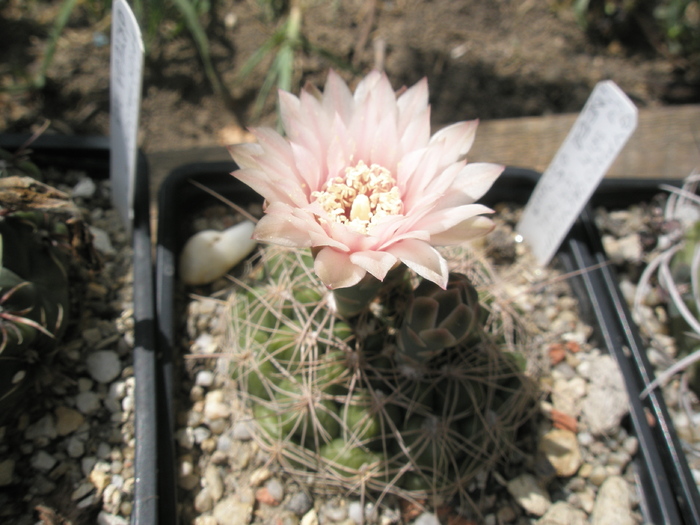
{"points": [[204, 378], [101, 241], [200, 434], [104, 366], [427, 518], [209, 254], [85, 188], [87, 402]]}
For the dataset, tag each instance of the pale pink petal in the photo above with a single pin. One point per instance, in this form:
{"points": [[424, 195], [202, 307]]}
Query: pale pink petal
{"points": [[412, 103], [471, 183], [366, 85], [375, 263], [337, 98], [273, 190], [422, 181], [385, 144], [416, 134], [442, 220], [421, 202], [290, 113], [465, 231], [335, 269], [458, 139], [280, 226], [423, 259], [245, 154], [311, 170], [341, 149]]}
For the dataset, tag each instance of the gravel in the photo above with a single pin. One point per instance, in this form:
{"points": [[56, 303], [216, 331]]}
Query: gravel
{"points": [[73, 450], [70, 453], [579, 448]]}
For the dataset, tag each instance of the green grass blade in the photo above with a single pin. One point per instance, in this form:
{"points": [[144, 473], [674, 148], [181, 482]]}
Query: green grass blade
{"points": [[189, 14], [58, 25], [268, 46]]}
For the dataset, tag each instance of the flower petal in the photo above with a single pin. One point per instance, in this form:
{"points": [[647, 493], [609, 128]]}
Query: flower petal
{"points": [[464, 231], [335, 269], [458, 139], [423, 259], [412, 103], [471, 183], [245, 154], [376, 263], [291, 226], [273, 190], [337, 98], [442, 220]]}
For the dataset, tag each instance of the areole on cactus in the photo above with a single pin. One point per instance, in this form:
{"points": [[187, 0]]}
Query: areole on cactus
{"points": [[359, 373]]}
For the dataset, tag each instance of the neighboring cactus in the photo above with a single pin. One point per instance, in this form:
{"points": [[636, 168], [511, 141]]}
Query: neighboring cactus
{"points": [[414, 403], [41, 236], [437, 319]]}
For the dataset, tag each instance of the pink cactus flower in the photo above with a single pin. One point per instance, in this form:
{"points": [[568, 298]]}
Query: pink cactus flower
{"points": [[360, 180]]}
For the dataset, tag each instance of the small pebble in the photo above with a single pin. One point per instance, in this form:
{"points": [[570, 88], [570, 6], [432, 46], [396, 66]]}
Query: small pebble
{"points": [[427, 518], [204, 378], [275, 488], [7, 469], [43, 461], [104, 366], [87, 402], [300, 503]]}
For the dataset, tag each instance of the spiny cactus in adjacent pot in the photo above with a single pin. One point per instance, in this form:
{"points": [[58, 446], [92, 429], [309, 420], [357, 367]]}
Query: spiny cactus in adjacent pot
{"points": [[44, 245]]}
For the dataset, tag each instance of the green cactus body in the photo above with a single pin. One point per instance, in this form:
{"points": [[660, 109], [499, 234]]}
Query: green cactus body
{"points": [[359, 403], [34, 297]]}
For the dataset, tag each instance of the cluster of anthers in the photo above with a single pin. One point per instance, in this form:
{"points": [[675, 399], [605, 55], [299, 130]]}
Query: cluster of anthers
{"points": [[362, 197]]}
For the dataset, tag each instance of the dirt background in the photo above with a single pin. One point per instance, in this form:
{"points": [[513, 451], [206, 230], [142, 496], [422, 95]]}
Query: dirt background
{"points": [[486, 59]]}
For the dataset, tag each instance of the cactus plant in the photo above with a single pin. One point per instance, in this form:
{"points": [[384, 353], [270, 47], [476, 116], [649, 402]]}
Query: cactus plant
{"points": [[361, 374], [339, 400], [43, 243]]}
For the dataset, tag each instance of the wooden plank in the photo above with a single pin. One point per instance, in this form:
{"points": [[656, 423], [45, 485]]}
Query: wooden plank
{"points": [[666, 143]]}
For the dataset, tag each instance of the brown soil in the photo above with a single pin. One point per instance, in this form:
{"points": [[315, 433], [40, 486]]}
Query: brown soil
{"points": [[487, 60]]}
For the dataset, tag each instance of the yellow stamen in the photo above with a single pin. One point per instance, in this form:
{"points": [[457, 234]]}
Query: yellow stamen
{"points": [[359, 199]]}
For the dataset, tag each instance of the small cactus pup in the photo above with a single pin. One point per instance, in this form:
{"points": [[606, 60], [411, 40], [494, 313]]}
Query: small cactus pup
{"points": [[364, 361], [44, 245]]}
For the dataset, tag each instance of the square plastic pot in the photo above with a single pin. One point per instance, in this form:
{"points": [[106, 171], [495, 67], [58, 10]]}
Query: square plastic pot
{"points": [[668, 491], [91, 154]]}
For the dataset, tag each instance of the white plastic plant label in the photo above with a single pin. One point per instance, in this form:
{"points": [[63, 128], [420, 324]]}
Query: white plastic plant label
{"points": [[126, 73], [605, 124]]}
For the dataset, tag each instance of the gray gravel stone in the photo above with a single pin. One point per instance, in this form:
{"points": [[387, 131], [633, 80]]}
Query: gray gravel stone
{"points": [[104, 365], [300, 503]]}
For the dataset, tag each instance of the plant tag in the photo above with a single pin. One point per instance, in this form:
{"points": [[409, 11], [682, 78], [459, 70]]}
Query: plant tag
{"points": [[126, 72], [606, 122]]}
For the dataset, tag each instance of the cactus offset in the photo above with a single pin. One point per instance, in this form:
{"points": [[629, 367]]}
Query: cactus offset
{"points": [[354, 405]]}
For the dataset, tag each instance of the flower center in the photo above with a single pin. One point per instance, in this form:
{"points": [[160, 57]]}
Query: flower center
{"points": [[362, 197]]}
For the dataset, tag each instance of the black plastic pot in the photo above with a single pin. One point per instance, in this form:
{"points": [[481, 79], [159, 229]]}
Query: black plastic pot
{"points": [[669, 494], [91, 154]]}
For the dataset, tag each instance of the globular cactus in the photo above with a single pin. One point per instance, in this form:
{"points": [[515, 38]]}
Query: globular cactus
{"points": [[42, 240], [411, 397]]}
